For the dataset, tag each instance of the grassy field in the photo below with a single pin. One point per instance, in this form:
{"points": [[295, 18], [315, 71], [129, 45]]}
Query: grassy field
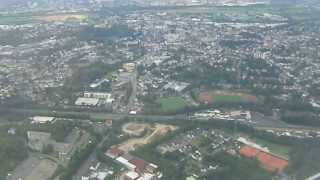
{"points": [[62, 17], [19, 19], [9, 20], [274, 148], [172, 103]]}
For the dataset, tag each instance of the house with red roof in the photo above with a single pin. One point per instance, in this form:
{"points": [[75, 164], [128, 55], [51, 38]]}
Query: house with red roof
{"points": [[266, 160], [114, 152], [139, 163]]}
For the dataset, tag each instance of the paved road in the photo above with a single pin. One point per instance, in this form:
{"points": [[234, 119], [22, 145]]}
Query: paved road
{"points": [[98, 115], [259, 121], [91, 160]]}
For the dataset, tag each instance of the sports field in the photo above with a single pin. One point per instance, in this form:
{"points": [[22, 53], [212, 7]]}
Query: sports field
{"points": [[267, 161], [172, 103], [225, 97], [279, 149]]}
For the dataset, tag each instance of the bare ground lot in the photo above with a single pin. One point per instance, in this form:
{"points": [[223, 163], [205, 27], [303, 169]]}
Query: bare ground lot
{"points": [[34, 168], [156, 130]]}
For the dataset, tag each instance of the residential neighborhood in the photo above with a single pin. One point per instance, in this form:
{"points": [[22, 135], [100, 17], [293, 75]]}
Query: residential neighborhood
{"points": [[159, 90]]}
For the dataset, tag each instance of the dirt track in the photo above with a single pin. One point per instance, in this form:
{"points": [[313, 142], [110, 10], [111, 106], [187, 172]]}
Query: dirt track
{"points": [[158, 129]]}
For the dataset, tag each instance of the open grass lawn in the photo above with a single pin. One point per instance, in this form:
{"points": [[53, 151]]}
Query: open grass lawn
{"points": [[9, 20], [279, 149], [26, 18], [62, 17], [172, 103]]}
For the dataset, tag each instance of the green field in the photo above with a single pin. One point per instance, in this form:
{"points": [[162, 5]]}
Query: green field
{"points": [[274, 148], [172, 103], [9, 20], [26, 18]]}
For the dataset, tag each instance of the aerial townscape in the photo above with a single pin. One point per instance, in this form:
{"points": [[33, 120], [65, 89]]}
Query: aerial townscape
{"points": [[159, 89]]}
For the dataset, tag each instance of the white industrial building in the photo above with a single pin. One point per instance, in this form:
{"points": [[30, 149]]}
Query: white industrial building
{"points": [[131, 175], [147, 176], [129, 67], [126, 163], [83, 101], [99, 95], [42, 119], [176, 86]]}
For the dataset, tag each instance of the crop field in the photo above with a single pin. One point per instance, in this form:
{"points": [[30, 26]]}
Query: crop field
{"points": [[63, 17], [19, 19], [9, 20], [172, 103], [225, 97]]}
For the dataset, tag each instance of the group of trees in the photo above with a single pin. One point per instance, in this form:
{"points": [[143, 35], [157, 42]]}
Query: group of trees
{"points": [[169, 168], [301, 118], [83, 76], [235, 168], [304, 161], [59, 130], [13, 150], [206, 75], [77, 159], [105, 34]]}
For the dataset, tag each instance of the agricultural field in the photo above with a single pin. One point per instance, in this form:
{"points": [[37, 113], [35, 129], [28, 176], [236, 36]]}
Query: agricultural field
{"points": [[61, 18], [171, 104], [20, 19], [225, 97], [10, 20]]}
